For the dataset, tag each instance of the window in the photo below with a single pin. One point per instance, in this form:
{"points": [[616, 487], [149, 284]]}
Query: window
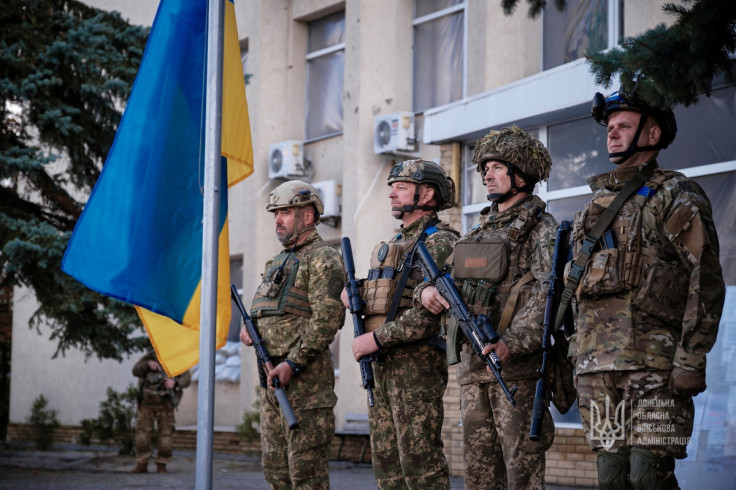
{"points": [[583, 25], [325, 68], [439, 61]]}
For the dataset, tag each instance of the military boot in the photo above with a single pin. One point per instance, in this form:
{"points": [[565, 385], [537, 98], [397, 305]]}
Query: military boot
{"points": [[161, 468], [141, 468]]}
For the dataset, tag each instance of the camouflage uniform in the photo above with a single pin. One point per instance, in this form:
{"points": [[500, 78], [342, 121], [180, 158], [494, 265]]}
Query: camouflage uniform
{"points": [[406, 419], [155, 406], [311, 314], [651, 303], [497, 450]]}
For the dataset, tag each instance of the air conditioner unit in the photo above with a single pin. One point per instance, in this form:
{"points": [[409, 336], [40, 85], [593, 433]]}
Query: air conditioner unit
{"points": [[394, 133], [330, 193], [286, 160]]}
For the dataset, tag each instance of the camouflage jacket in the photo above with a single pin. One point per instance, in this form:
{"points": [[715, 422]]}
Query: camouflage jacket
{"points": [[412, 324], [143, 372], [320, 274], [529, 251], [653, 299]]}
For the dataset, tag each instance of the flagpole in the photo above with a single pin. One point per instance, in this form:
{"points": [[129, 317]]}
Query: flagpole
{"points": [[210, 236]]}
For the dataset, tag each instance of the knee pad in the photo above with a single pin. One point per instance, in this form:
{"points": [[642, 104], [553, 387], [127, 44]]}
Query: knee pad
{"points": [[649, 471], [613, 471]]}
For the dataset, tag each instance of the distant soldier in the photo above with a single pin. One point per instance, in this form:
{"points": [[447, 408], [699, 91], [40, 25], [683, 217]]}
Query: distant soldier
{"points": [[158, 397], [298, 313], [406, 420], [650, 293], [500, 267]]}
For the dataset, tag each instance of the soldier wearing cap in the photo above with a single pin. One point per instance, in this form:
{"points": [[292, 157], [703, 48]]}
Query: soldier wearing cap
{"points": [[649, 293], [411, 376], [500, 267], [298, 311]]}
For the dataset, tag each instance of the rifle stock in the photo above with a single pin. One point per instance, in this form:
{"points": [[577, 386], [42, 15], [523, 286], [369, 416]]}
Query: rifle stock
{"points": [[356, 305], [264, 361], [477, 329], [550, 312]]}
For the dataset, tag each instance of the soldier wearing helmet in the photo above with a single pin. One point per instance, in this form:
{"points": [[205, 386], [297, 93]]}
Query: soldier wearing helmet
{"points": [[650, 292], [500, 266], [298, 311], [411, 377]]}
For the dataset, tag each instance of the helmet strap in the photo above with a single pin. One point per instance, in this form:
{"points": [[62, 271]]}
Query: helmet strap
{"points": [[515, 189], [633, 147]]}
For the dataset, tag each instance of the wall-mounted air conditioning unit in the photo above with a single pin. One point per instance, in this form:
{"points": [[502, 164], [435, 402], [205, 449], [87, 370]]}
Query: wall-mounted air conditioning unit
{"points": [[394, 133], [331, 194], [286, 160]]}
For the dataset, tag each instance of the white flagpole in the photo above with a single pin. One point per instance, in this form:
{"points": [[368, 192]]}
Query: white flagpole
{"points": [[210, 236]]}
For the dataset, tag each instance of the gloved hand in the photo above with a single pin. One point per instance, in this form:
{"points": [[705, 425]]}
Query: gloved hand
{"points": [[687, 383]]}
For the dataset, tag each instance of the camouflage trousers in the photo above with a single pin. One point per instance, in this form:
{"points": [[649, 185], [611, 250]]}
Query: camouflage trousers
{"points": [[498, 453], [295, 458], [406, 419], [162, 414], [621, 409]]}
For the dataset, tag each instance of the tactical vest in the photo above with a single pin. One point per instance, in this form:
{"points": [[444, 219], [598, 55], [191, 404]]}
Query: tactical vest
{"points": [[626, 261], [277, 295], [379, 288], [487, 271]]}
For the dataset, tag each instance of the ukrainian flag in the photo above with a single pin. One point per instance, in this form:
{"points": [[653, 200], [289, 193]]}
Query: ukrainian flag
{"points": [[139, 238]]}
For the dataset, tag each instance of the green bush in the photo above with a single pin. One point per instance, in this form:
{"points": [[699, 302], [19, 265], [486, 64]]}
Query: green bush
{"points": [[115, 422], [44, 423]]}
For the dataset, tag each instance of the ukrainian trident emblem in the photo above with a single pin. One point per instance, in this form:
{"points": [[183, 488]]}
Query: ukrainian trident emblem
{"points": [[607, 429]]}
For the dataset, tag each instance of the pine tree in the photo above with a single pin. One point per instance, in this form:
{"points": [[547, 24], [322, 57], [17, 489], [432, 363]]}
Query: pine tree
{"points": [[66, 70], [668, 65]]}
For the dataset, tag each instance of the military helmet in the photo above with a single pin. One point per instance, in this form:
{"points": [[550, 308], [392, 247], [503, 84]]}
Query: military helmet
{"points": [[426, 172], [516, 147], [294, 194], [621, 101]]}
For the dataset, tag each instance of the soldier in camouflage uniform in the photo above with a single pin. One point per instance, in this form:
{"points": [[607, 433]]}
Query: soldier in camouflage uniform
{"points": [[649, 303], [158, 397], [298, 312], [406, 420], [500, 267]]}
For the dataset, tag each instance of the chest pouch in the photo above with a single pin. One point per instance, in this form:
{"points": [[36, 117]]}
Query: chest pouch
{"points": [[380, 286], [481, 258], [277, 294], [612, 270]]}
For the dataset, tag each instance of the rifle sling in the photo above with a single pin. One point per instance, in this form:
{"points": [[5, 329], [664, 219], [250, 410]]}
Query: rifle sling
{"points": [[408, 262], [508, 309], [586, 250]]}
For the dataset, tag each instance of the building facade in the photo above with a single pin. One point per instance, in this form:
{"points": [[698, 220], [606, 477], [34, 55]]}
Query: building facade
{"points": [[339, 91]]}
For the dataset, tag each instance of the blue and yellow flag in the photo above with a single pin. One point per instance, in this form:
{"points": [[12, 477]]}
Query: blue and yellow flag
{"points": [[139, 238]]}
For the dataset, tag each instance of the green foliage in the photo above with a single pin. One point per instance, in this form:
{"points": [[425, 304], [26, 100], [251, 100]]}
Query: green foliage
{"points": [[674, 65], [65, 70], [248, 430], [115, 422], [667, 65], [44, 423]]}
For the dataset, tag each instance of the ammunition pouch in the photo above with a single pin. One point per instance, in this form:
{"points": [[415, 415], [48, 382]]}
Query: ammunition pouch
{"points": [[277, 294]]}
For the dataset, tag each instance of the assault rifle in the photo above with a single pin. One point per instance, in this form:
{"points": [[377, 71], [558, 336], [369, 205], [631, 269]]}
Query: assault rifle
{"points": [[356, 305], [554, 292], [477, 329], [264, 362]]}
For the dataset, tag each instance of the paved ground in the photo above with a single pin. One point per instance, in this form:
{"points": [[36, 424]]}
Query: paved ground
{"points": [[79, 468]]}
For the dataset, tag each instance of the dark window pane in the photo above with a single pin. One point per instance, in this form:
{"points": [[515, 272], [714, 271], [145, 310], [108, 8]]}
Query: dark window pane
{"points": [[568, 34], [578, 151], [426, 7], [326, 32], [438, 62]]}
